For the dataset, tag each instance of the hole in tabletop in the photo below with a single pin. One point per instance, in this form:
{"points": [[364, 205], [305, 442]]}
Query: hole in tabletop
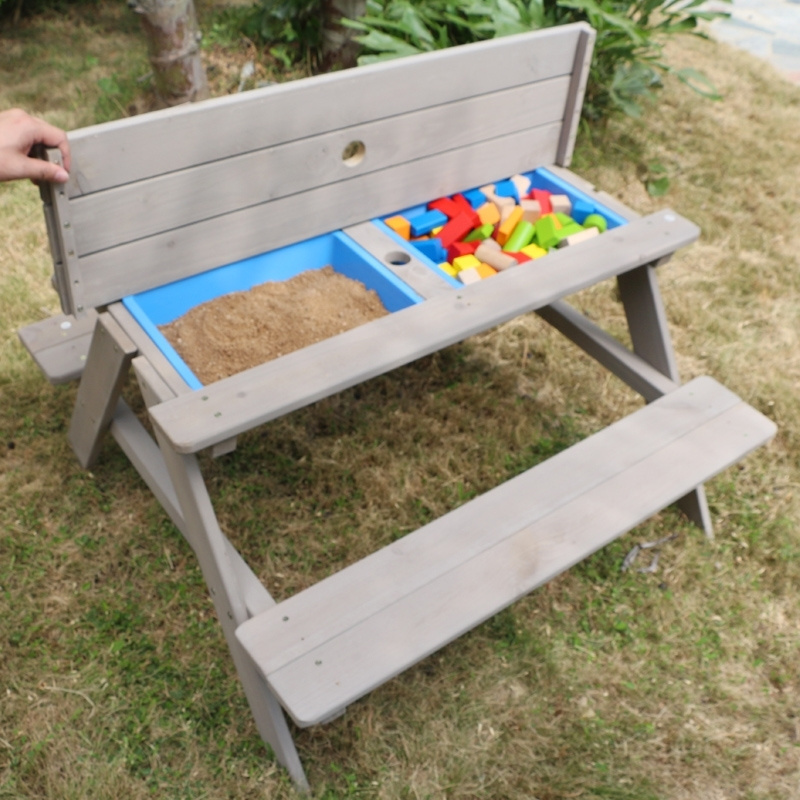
{"points": [[353, 154]]}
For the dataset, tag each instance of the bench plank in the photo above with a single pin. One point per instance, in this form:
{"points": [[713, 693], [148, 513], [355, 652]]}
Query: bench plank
{"points": [[338, 640], [236, 404]]}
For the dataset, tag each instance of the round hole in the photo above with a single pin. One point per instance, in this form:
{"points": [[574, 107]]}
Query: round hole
{"points": [[354, 153], [397, 258]]}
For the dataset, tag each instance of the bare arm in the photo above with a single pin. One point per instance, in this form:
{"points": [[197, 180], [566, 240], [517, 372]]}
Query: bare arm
{"points": [[19, 132]]}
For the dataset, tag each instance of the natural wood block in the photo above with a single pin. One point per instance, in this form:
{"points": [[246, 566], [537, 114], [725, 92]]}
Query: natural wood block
{"points": [[531, 210], [577, 238], [471, 275], [561, 204]]}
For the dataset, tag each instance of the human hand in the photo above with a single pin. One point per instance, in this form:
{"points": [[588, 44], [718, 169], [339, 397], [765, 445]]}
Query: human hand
{"points": [[19, 132]]}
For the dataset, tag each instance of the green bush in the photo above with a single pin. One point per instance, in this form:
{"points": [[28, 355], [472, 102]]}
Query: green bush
{"points": [[628, 64]]}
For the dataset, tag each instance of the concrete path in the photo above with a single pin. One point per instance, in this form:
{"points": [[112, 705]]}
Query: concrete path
{"points": [[769, 29]]}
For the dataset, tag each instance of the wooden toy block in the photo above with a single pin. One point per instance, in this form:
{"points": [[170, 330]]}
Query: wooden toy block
{"points": [[531, 210], [564, 219], [495, 258], [463, 204], [507, 225], [480, 233], [448, 268], [400, 225], [533, 251], [447, 206], [521, 235], [569, 229], [437, 230], [520, 257], [522, 183], [578, 237], [506, 189], [489, 213], [596, 221], [475, 197], [547, 231], [465, 262], [561, 204], [491, 244], [470, 275], [485, 271], [543, 196], [426, 222], [458, 227], [432, 249], [581, 209], [488, 190], [505, 212], [458, 249]]}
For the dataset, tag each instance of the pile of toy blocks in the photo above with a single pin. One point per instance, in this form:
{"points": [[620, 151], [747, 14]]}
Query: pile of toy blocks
{"points": [[478, 233]]}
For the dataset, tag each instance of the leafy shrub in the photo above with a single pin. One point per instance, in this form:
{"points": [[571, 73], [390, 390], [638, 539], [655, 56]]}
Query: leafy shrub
{"points": [[628, 64]]}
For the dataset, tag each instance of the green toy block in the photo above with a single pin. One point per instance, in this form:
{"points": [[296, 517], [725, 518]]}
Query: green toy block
{"points": [[595, 221], [479, 234]]}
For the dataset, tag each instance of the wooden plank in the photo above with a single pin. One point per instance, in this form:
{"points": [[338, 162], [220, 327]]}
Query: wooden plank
{"points": [[156, 260], [243, 401], [110, 355], [60, 344], [355, 658], [132, 149], [177, 199], [420, 277], [572, 115], [604, 348]]}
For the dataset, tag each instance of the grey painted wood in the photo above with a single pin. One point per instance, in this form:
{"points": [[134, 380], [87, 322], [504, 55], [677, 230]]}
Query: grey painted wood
{"points": [[153, 144], [144, 455], [577, 89], [222, 570], [421, 278], [602, 197], [250, 398], [110, 355], [176, 199], [605, 349], [159, 259], [60, 345], [430, 592]]}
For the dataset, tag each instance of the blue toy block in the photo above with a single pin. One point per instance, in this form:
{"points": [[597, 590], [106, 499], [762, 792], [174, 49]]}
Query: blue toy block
{"points": [[506, 189], [476, 198], [425, 223], [581, 209], [432, 249]]}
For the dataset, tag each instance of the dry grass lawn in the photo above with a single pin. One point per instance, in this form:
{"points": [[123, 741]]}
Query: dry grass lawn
{"points": [[682, 684]]}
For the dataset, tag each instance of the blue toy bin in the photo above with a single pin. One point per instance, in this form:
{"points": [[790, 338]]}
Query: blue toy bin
{"points": [[166, 303]]}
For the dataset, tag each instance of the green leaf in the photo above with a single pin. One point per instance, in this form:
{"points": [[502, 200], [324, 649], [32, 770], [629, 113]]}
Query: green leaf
{"points": [[698, 82]]}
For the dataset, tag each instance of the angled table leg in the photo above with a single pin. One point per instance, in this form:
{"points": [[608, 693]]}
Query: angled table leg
{"points": [[107, 363], [647, 323], [216, 562]]}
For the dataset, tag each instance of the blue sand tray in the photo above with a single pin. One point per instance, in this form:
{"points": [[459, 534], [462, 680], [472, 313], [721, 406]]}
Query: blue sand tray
{"points": [[166, 303], [540, 178]]}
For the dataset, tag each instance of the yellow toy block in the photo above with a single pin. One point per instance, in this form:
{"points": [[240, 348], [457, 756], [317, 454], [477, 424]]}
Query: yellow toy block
{"points": [[465, 262], [489, 214], [436, 231], [485, 271], [507, 226], [400, 225], [533, 251], [449, 269]]}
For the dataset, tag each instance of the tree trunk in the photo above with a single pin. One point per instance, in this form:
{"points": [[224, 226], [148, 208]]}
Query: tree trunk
{"points": [[338, 48], [173, 43]]}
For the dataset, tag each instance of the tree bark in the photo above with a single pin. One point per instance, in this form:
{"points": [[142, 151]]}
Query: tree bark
{"points": [[173, 43], [338, 48]]}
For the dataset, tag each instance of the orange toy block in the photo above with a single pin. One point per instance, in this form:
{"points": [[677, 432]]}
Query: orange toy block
{"points": [[508, 225], [489, 213], [485, 271], [400, 225]]}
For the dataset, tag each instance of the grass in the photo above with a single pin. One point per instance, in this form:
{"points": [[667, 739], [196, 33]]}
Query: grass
{"points": [[678, 684]]}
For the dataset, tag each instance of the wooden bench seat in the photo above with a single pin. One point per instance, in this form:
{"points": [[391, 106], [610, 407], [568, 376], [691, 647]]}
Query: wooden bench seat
{"points": [[329, 645]]}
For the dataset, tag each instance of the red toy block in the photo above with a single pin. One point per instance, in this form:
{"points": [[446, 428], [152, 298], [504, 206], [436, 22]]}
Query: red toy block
{"points": [[447, 206], [520, 257], [461, 249], [458, 227], [463, 203], [543, 196]]}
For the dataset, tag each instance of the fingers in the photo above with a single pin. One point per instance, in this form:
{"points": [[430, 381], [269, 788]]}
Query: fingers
{"points": [[19, 134], [50, 136]]}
